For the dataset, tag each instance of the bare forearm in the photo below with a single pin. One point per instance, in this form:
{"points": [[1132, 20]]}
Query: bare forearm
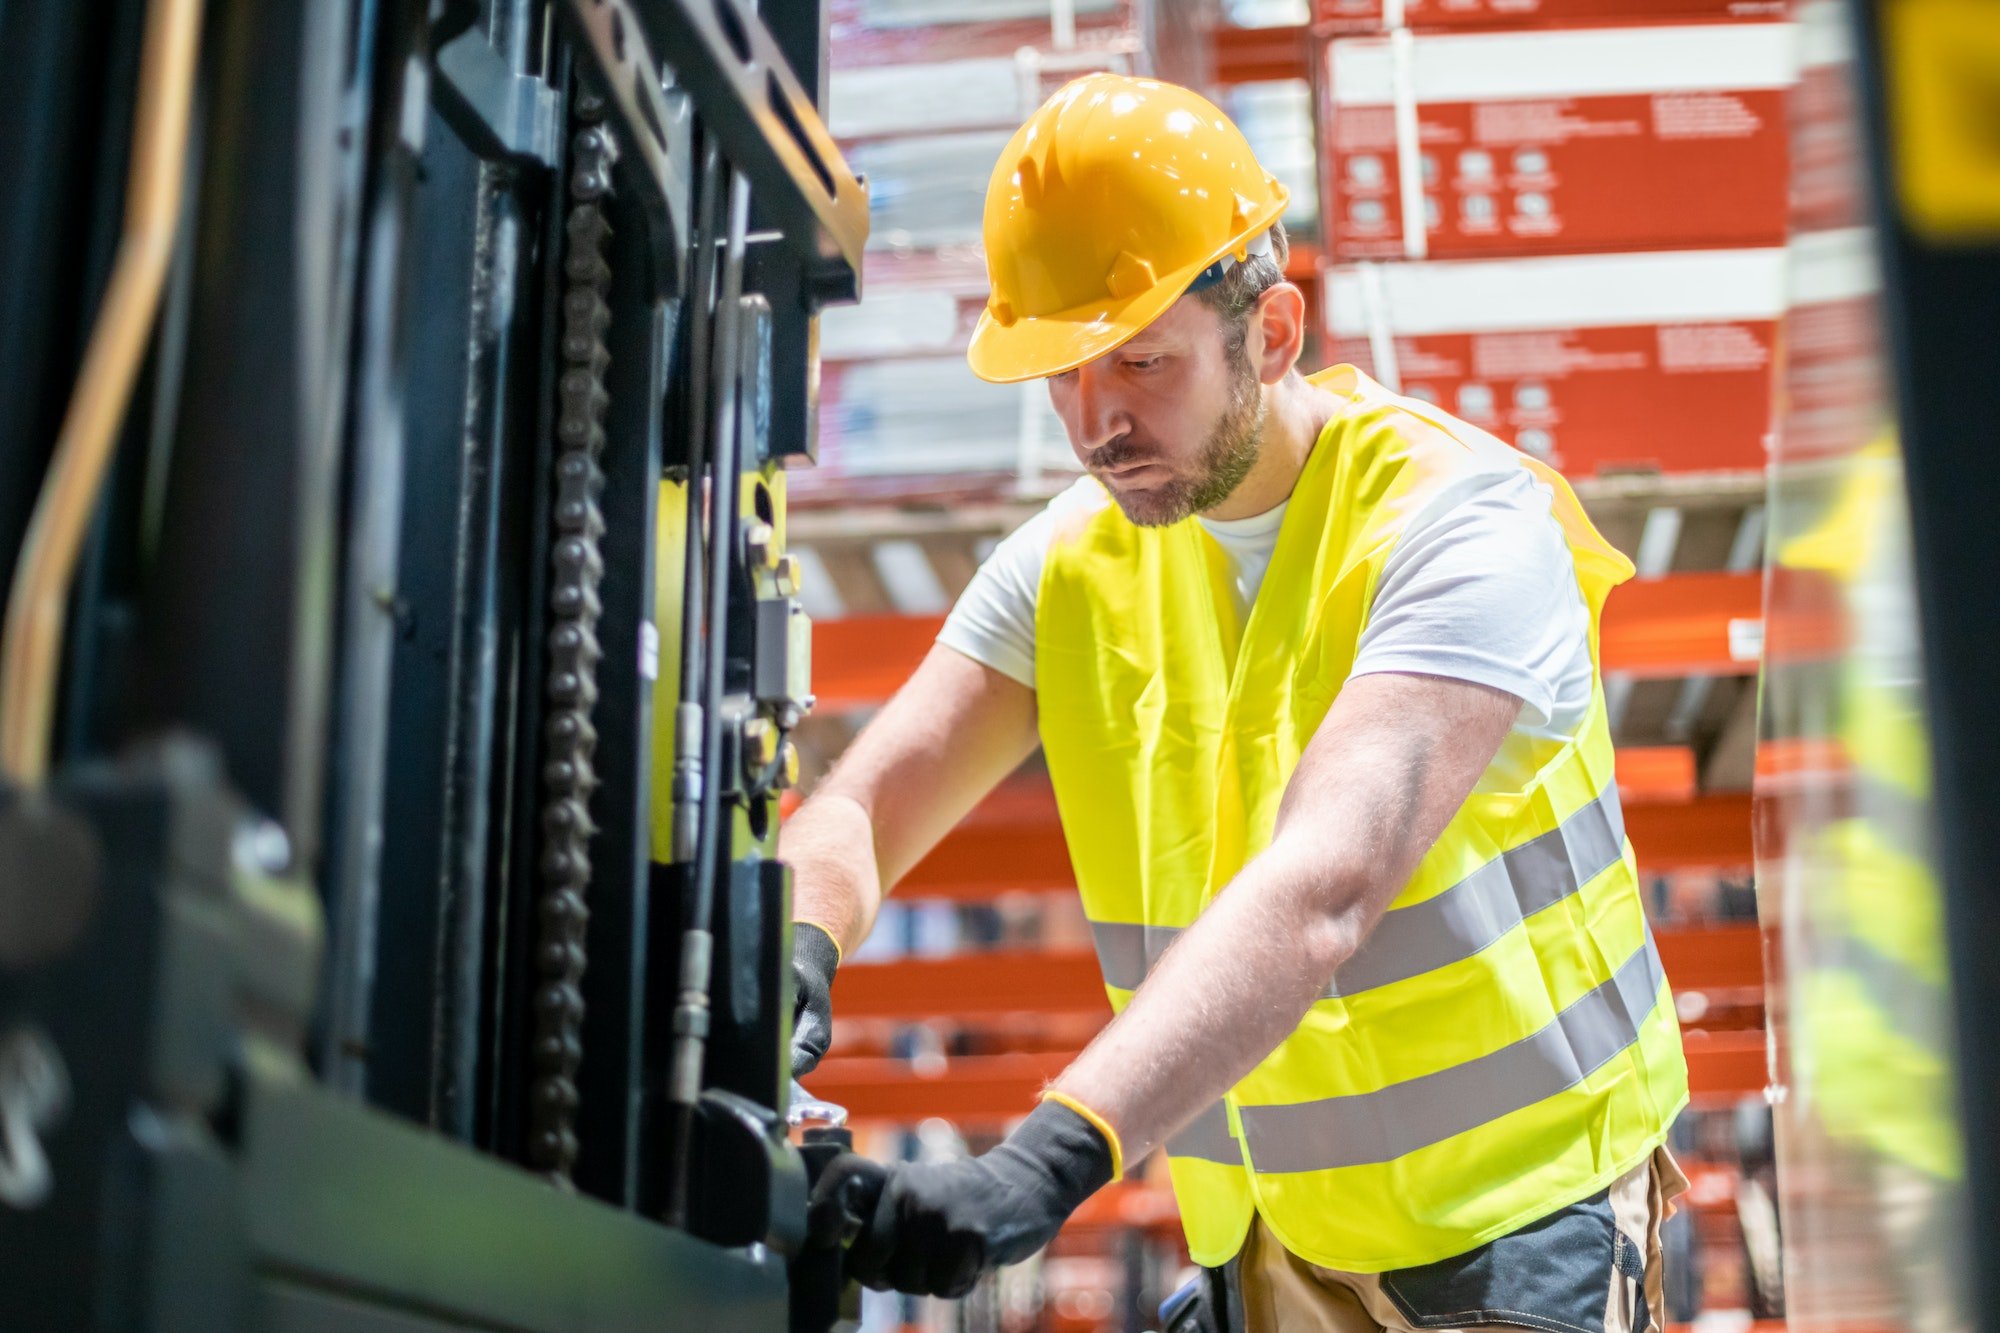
{"points": [[952, 732], [1219, 1001], [830, 844]]}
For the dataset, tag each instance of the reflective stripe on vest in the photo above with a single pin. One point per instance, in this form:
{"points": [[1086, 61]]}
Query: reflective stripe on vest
{"points": [[1440, 930], [1383, 1125], [1207, 1138], [1913, 1006]]}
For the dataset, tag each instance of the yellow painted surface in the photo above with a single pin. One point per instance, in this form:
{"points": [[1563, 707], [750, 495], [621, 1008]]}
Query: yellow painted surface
{"points": [[669, 588], [1942, 61], [669, 576]]}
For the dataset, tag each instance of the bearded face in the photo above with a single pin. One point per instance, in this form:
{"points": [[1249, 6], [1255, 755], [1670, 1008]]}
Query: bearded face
{"points": [[1171, 422]]}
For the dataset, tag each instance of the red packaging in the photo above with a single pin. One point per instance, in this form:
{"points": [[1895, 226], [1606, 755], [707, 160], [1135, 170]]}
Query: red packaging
{"points": [[1833, 362], [1827, 172], [1556, 141], [1350, 14], [1656, 362]]}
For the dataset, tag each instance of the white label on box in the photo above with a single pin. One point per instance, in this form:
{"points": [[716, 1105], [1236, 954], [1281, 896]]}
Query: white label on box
{"points": [[1829, 266], [891, 323], [1565, 292], [938, 13], [926, 98], [1746, 639], [1823, 35], [1577, 62]]}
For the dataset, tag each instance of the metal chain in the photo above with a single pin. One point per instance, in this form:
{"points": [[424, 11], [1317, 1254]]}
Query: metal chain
{"points": [[568, 778]]}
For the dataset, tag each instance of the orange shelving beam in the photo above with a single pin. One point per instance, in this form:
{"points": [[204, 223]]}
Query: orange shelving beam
{"points": [[1679, 625], [1013, 840], [988, 984], [973, 985], [1656, 774], [993, 1089]]}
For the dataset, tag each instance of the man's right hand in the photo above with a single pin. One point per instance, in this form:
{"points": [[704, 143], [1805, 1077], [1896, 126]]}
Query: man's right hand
{"points": [[814, 958]]}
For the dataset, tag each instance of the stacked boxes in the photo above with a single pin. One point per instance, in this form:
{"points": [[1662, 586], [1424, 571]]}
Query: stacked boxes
{"points": [[1571, 236], [1834, 393], [923, 95], [1553, 142]]}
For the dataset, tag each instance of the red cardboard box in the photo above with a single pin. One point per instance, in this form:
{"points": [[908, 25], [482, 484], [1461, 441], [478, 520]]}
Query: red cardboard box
{"points": [[1556, 141], [1828, 184], [1834, 393], [1349, 14], [1657, 362]]}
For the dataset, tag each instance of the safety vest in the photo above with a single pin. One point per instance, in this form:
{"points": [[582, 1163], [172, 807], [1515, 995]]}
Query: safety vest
{"points": [[1503, 1043], [1866, 968]]}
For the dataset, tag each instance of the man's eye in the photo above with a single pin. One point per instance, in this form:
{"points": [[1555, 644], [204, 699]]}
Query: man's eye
{"points": [[1144, 362]]}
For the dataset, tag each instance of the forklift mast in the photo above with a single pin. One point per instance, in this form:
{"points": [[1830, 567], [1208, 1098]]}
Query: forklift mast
{"points": [[401, 661]]}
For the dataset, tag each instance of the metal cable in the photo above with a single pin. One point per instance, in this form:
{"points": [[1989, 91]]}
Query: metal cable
{"points": [[691, 1018]]}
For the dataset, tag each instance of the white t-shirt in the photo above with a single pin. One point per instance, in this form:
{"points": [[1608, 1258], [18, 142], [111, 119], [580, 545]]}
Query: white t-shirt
{"points": [[1481, 587]]}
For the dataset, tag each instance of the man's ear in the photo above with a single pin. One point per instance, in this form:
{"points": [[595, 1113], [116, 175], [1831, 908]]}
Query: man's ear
{"points": [[1279, 318]]}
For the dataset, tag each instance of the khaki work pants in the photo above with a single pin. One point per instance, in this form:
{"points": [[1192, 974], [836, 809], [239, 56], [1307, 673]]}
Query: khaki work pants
{"points": [[1282, 1293]]}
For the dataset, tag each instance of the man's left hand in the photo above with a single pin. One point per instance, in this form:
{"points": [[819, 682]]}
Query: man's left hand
{"points": [[939, 1225]]}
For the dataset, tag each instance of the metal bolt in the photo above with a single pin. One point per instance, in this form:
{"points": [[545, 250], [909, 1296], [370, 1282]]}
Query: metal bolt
{"points": [[34, 1096], [760, 541], [760, 746]]}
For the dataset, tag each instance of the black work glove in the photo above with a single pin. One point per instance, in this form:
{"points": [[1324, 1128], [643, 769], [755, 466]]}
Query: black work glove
{"points": [[939, 1225], [814, 957]]}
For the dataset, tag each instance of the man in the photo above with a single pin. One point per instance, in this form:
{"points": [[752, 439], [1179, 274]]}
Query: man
{"points": [[1313, 667]]}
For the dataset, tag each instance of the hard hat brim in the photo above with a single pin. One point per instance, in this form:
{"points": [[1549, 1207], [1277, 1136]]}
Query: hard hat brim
{"points": [[1037, 346]]}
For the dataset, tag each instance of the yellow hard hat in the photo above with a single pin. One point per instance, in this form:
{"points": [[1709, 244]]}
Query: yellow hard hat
{"points": [[1116, 197]]}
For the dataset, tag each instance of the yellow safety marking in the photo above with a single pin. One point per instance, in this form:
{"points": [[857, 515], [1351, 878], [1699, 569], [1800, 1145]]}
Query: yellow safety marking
{"points": [[1942, 60], [669, 588]]}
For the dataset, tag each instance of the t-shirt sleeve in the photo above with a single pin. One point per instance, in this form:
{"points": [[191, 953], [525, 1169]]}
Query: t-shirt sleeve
{"points": [[1482, 587], [993, 622]]}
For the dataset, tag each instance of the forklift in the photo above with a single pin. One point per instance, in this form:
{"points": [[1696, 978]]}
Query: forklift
{"points": [[401, 656]]}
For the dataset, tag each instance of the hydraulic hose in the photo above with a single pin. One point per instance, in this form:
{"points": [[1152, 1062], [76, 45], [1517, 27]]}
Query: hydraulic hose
{"points": [[31, 650], [691, 1018]]}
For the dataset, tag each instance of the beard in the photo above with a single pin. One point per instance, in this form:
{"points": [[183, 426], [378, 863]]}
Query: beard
{"points": [[1226, 457]]}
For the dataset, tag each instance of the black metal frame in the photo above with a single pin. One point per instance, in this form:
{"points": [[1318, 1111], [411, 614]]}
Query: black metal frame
{"points": [[346, 438]]}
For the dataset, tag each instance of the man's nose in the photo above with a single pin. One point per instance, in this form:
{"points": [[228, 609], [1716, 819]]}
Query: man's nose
{"points": [[1098, 415]]}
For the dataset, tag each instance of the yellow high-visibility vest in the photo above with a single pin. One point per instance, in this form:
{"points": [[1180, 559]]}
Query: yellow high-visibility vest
{"points": [[1870, 988], [1503, 1044]]}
